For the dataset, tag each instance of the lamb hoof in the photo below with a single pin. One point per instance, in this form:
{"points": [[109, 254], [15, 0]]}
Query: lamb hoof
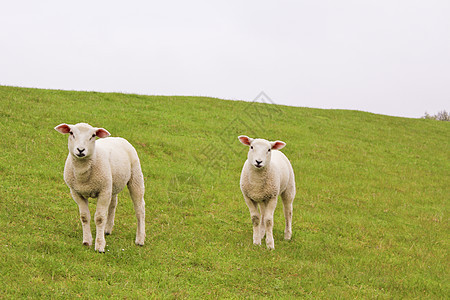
{"points": [[139, 241], [270, 245], [108, 230], [87, 244], [287, 236]]}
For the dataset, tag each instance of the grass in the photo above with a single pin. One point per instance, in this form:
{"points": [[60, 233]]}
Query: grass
{"points": [[370, 215]]}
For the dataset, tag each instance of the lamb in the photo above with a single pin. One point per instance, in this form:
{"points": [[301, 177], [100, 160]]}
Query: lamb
{"points": [[101, 169], [266, 174]]}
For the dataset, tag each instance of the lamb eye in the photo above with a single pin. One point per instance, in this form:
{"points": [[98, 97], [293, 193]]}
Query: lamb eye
{"points": [[93, 135], [251, 147], [71, 133], [268, 150]]}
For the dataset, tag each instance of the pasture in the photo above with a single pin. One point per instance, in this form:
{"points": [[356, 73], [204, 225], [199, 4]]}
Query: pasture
{"points": [[370, 216]]}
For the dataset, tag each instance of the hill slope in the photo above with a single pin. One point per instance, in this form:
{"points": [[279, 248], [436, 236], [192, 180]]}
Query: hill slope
{"points": [[370, 216]]}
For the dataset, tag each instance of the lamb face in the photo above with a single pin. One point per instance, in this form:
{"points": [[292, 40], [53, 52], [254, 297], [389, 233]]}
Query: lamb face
{"points": [[260, 150], [82, 138], [259, 153]]}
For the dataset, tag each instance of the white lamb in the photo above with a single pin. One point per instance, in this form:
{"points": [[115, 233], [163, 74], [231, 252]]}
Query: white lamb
{"points": [[266, 174], [101, 169]]}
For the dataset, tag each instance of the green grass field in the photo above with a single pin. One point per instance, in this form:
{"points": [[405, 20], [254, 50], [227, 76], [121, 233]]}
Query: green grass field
{"points": [[370, 215]]}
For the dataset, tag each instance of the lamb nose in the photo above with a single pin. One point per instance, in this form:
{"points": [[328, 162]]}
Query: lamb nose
{"points": [[258, 162], [80, 150]]}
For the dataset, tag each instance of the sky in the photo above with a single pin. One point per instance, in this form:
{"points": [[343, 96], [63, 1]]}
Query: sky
{"points": [[389, 57]]}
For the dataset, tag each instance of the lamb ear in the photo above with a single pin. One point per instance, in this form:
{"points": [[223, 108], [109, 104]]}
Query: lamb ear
{"points": [[245, 140], [102, 133], [63, 128], [277, 145]]}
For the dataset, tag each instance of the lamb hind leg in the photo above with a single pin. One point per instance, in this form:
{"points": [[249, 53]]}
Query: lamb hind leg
{"points": [[139, 208], [137, 189], [111, 215], [287, 208], [288, 199], [262, 225]]}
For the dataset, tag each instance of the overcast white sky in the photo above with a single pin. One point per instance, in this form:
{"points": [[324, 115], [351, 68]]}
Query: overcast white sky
{"points": [[384, 56]]}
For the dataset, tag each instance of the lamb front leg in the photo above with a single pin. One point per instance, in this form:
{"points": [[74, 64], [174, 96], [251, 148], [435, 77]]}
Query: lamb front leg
{"points": [[85, 217], [254, 214], [269, 208], [100, 217]]}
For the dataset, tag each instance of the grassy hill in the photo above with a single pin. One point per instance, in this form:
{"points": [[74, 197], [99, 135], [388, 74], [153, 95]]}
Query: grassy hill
{"points": [[370, 215]]}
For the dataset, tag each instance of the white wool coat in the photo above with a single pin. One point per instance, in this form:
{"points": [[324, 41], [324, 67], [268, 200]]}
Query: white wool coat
{"points": [[108, 169], [271, 181]]}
